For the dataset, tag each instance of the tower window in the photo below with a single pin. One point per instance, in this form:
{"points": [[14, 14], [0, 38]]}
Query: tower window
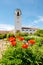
{"points": [[17, 13]]}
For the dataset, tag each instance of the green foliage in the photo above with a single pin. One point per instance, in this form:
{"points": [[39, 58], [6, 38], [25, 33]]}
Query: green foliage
{"points": [[22, 34], [28, 38], [39, 33], [2, 36], [33, 55], [10, 35]]}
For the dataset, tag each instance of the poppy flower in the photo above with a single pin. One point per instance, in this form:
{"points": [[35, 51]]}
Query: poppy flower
{"points": [[21, 38], [13, 43], [17, 36], [25, 46], [31, 41], [11, 39]]}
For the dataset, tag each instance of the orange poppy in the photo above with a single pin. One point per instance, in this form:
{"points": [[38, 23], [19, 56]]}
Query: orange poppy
{"points": [[31, 41], [25, 46], [11, 39], [13, 43]]}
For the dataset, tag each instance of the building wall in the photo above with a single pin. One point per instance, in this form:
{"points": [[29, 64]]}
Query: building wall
{"points": [[31, 30]]}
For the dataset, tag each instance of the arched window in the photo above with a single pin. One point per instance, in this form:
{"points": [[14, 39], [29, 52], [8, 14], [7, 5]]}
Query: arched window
{"points": [[17, 13]]}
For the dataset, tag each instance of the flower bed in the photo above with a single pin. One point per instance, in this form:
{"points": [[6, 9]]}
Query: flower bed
{"points": [[23, 52]]}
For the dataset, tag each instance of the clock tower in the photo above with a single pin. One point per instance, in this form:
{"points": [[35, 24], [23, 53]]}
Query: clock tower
{"points": [[18, 20]]}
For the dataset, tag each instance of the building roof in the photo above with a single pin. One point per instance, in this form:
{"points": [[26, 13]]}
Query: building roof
{"points": [[30, 28]]}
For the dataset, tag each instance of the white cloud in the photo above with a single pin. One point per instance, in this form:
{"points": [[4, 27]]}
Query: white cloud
{"points": [[6, 27], [36, 22], [40, 19]]}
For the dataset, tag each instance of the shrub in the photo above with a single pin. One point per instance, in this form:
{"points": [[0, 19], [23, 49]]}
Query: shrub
{"points": [[28, 38], [39, 33], [2, 36], [10, 35], [5, 35], [22, 34]]}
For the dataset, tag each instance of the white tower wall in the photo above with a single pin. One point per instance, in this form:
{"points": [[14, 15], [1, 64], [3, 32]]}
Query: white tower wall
{"points": [[18, 20]]}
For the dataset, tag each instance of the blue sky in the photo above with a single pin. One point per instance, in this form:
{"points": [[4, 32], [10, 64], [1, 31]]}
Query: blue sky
{"points": [[32, 12]]}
